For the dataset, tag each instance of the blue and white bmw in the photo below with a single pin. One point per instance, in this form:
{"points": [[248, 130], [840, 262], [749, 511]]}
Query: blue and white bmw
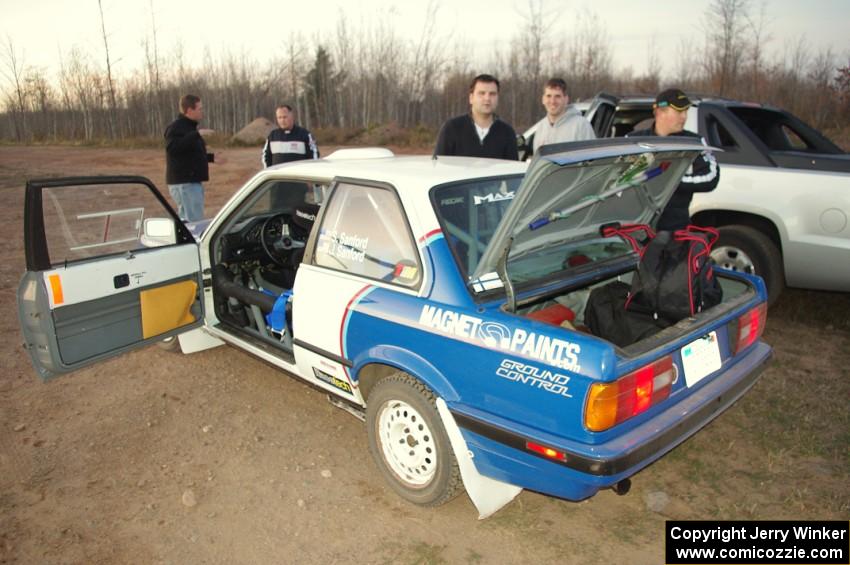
{"points": [[441, 300]]}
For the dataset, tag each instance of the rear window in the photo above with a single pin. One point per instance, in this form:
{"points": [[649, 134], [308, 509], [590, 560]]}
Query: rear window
{"points": [[470, 212]]}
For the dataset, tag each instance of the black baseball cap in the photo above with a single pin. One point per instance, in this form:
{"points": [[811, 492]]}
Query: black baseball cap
{"points": [[674, 98]]}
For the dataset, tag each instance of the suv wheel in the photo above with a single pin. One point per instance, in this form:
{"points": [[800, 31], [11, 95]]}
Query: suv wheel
{"points": [[745, 249]]}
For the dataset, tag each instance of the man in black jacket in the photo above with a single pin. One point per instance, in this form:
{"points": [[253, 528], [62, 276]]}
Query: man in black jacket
{"points": [[480, 133], [289, 142], [186, 159], [671, 111]]}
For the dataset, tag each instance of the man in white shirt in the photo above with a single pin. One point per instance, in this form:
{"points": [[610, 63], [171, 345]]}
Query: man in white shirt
{"points": [[563, 122]]}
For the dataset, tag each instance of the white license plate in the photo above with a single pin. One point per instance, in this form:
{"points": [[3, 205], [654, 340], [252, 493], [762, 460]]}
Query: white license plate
{"points": [[700, 358]]}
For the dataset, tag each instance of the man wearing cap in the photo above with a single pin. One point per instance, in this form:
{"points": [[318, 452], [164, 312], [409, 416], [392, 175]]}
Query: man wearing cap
{"points": [[670, 111]]}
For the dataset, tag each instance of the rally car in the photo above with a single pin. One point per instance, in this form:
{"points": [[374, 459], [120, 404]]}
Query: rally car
{"points": [[441, 300]]}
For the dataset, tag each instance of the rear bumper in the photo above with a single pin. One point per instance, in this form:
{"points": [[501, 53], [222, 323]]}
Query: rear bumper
{"points": [[501, 454]]}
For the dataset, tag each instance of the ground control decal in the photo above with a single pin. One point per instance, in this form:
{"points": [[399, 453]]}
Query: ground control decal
{"points": [[552, 351], [534, 377]]}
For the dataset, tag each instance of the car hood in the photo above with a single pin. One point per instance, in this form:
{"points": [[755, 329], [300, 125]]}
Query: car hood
{"points": [[572, 189]]}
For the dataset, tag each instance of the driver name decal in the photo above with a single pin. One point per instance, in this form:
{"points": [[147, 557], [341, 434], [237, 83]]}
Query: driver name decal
{"points": [[552, 351], [350, 247]]}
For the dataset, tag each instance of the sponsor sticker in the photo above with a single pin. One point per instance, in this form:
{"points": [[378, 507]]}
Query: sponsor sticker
{"points": [[332, 380], [534, 377], [493, 197], [549, 350]]}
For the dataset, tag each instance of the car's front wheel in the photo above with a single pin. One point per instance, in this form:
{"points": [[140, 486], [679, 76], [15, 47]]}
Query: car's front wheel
{"points": [[408, 442], [745, 249]]}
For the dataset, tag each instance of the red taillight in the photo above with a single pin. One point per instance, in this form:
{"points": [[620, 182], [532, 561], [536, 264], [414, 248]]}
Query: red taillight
{"points": [[546, 451], [750, 327], [608, 404]]}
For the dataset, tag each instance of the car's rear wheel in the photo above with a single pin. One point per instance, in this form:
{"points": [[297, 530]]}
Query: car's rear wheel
{"points": [[408, 442], [745, 249]]}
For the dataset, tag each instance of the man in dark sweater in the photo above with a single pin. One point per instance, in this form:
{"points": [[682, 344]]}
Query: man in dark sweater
{"points": [[289, 142], [186, 159], [480, 133], [671, 112]]}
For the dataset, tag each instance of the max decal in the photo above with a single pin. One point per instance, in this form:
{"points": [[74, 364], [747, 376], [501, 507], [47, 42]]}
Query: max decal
{"points": [[493, 197]]}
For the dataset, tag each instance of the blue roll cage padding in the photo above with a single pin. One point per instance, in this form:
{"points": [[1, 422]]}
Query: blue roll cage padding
{"points": [[276, 319]]}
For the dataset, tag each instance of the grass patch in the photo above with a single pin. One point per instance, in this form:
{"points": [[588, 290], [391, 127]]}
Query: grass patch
{"points": [[812, 307]]}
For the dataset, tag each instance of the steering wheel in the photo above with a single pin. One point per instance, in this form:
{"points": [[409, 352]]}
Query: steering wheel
{"points": [[276, 239]]}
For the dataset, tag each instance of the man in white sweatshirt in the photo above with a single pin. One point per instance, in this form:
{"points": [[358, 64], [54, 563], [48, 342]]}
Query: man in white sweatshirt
{"points": [[563, 122]]}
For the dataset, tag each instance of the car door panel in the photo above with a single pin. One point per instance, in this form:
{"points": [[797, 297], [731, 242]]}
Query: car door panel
{"points": [[77, 311]]}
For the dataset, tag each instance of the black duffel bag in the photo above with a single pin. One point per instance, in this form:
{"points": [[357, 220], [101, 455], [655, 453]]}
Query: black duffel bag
{"points": [[606, 316], [675, 279]]}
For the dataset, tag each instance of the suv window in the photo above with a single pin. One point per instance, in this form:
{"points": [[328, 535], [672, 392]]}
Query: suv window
{"points": [[778, 132], [364, 232], [794, 139], [718, 135]]}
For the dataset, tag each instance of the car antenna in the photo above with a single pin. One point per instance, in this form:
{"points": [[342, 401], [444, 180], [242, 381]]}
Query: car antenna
{"points": [[502, 271]]}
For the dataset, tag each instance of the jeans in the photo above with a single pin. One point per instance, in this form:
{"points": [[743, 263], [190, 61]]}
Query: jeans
{"points": [[190, 200]]}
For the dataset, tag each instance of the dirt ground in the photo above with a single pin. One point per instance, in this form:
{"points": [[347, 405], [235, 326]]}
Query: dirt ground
{"points": [[215, 457]]}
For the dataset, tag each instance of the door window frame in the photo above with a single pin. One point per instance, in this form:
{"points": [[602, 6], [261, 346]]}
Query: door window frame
{"points": [[35, 238]]}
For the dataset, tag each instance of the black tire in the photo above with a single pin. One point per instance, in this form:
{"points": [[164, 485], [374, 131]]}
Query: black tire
{"points": [[169, 344], [401, 411], [742, 248]]}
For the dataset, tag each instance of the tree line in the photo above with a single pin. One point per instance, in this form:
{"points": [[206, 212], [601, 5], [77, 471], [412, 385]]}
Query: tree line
{"points": [[358, 78]]}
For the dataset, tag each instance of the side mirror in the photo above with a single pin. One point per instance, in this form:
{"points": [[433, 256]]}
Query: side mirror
{"points": [[158, 232]]}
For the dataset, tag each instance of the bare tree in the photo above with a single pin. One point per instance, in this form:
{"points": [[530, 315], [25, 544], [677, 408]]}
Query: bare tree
{"points": [[13, 71], [589, 54], [526, 61], [686, 71], [428, 60], [651, 81], [760, 36], [725, 42], [820, 78], [113, 106]]}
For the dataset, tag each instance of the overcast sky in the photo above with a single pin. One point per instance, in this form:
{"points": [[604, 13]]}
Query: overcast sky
{"points": [[41, 29]]}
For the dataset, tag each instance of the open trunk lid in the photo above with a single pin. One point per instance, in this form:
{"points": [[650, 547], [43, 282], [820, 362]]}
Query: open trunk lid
{"points": [[572, 189]]}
